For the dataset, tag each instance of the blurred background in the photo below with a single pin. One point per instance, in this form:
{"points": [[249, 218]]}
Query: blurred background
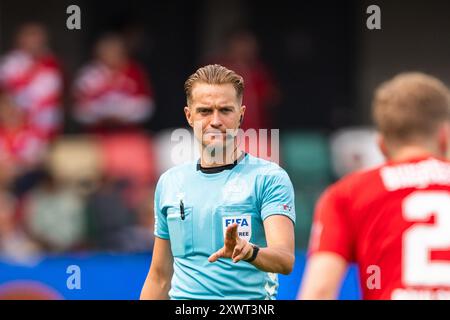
{"points": [[86, 118]]}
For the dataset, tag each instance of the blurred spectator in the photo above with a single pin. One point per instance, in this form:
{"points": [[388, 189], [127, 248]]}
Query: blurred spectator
{"points": [[14, 243], [76, 162], [354, 148], [241, 54], [55, 216], [145, 222], [112, 91], [114, 226], [32, 76], [130, 158], [119, 212], [22, 149], [113, 175]]}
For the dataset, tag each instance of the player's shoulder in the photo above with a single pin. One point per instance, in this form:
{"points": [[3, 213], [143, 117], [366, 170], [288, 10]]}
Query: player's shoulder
{"points": [[92, 69], [11, 61], [263, 167], [16, 56], [134, 67], [362, 176], [50, 61], [177, 171], [357, 181]]}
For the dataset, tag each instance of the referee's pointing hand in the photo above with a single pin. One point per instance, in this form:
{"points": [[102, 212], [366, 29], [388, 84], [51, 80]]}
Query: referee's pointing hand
{"points": [[234, 247]]}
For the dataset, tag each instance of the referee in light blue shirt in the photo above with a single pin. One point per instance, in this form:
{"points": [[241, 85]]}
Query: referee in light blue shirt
{"points": [[224, 225]]}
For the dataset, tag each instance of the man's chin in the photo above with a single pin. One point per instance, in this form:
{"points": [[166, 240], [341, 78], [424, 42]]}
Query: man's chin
{"points": [[217, 145], [214, 144]]}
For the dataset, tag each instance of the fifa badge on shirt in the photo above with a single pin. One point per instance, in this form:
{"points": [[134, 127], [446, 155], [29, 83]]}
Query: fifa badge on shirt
{"points": [[244, 225]]}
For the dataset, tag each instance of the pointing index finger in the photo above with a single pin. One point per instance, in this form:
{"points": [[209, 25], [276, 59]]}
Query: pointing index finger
{"points": [[231, 233]]}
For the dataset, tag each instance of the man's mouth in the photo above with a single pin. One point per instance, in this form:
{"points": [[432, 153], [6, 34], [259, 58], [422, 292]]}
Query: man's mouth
{"points": [[214, 133]]}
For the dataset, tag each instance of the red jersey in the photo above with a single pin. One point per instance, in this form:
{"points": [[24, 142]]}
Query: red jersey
{"points": [[22, 146], [35, 84], [394, 222], [101, 93]]}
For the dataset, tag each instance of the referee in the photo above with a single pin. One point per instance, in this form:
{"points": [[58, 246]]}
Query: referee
{"points": [[224, 225]]}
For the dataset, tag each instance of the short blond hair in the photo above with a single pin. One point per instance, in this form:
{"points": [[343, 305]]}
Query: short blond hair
{"points": [[409, 106], [214, 74]]}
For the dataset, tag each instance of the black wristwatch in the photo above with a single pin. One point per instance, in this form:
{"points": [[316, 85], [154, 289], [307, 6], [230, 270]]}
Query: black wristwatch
{"points": [[254, 254]]}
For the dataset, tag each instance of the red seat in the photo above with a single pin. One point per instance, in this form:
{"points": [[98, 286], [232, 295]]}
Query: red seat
{"points": [[129, 156]]}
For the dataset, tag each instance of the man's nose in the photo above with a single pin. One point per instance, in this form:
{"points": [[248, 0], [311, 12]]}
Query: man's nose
{"points": [[215, 119]]}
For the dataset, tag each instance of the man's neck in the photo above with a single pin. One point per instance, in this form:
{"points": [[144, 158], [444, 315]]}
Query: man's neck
{"points": [[412, 152], [223, 159]]}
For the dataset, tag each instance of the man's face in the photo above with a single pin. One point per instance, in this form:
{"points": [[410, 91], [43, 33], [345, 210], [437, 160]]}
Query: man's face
{"points": [[112, 52], [32, 38], [213, 110]]}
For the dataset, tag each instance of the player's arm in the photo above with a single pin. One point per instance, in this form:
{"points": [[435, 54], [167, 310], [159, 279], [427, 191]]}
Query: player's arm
{"points": [[323, 276], [278, 214], [157, 283], [330, 247], [277, 257]]}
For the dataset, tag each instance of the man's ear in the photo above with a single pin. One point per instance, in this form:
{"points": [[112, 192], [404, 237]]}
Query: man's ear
{"points": [[188, 114], [382, 145], [242, 114]]}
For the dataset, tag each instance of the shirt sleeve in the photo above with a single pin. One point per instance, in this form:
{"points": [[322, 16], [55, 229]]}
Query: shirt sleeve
{"points": [[277, 195], [161, 229], [331, 230]]}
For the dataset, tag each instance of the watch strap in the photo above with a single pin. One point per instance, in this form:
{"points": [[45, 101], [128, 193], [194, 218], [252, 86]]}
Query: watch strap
{"points": [[254, 254]]}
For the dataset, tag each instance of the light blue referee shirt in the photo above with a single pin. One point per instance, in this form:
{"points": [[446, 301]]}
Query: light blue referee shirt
{"points": [[248, 193]]}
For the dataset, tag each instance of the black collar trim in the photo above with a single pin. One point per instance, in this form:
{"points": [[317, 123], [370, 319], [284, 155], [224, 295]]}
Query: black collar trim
{"points": [[230, 166]]}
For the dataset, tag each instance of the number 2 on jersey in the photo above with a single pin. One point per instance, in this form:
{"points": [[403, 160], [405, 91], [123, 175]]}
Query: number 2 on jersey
{"points": [[420, 239]]}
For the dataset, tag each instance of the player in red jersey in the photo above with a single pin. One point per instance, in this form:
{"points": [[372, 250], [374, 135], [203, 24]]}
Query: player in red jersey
{"points": [[394, 220], [112, 91], [32, 76]]}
